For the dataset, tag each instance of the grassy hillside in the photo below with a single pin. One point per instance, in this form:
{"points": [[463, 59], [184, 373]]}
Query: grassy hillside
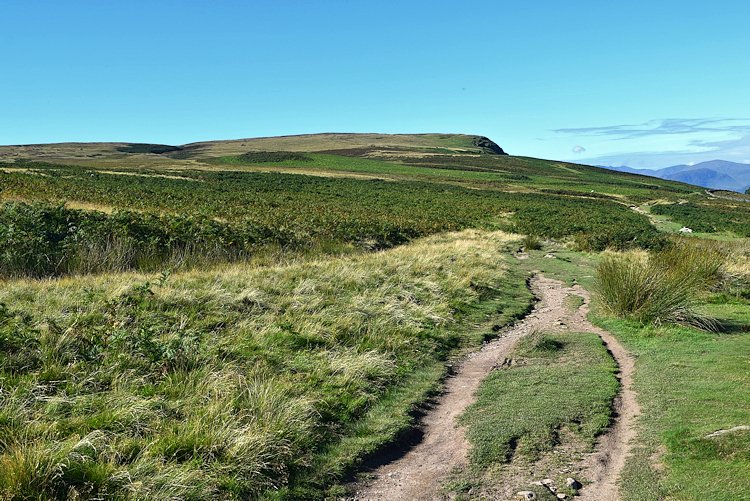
{"points": [[227, 383], [117, 206], [254, 318]]}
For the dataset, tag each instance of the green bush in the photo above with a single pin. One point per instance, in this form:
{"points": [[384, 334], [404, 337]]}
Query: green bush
{"points": [[531, 243], [662, 288], [197, 217], [708, 218]]}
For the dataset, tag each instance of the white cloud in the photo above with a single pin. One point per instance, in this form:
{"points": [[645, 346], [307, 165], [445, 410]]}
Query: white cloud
{"points": [[578, 149]]}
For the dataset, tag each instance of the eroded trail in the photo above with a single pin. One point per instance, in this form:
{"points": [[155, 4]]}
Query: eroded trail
{"points": [[418, 474], [604, 466]]}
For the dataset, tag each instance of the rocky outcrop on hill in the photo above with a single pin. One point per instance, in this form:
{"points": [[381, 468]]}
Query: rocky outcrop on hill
{"points": [[488, 145]]}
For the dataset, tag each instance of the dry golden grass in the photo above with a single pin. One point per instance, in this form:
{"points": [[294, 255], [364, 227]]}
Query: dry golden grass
{"points": [[738, 260], [216, 384]]}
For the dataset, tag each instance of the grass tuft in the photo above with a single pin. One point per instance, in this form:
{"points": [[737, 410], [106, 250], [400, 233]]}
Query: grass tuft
{"points": [[664, 287], [531, 242], [539, 342]]}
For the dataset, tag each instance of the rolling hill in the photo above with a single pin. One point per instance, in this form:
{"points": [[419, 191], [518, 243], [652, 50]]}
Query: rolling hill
{"points": [[259, 318], [141, 206]]}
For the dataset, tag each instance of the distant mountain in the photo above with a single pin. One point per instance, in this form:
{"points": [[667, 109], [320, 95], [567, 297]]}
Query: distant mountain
{"points": [[625, 168], [708, 178], [715, 174]]}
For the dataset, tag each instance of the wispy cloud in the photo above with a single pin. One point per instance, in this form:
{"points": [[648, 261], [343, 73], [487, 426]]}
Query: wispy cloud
{"points": [[662, 127], [664, 142], [578, 149]]}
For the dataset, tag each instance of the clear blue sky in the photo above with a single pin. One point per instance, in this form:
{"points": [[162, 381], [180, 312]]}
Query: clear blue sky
{"points": [[647, 83]]}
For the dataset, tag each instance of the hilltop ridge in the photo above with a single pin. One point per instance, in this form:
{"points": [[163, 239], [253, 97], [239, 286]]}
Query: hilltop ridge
{"points": [[432, 143]]}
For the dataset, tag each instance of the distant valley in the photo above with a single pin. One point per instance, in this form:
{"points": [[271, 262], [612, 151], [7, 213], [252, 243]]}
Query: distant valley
{"points": [[716, 174]]}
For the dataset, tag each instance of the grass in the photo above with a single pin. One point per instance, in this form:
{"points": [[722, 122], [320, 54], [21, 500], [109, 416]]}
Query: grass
{"points": [[531, 243], [396, 414], [234, 382], [690, 383], [557, 394], [275, 377], [571, 267], [664, 287]]}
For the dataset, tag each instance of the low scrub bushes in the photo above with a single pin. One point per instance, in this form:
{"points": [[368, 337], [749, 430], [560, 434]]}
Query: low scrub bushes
{"points": [[181, 225], [619, 239], [42, 240], [708, 218], [257, 157], [234, 212], [664, 287]]}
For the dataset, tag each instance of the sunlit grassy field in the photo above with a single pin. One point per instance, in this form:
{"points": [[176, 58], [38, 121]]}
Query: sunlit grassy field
{"points": [[690, 382], [255, 318], [230, 382]]}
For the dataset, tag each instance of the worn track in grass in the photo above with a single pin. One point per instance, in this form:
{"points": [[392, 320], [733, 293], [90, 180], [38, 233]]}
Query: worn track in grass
{"points": [[418, 474]]}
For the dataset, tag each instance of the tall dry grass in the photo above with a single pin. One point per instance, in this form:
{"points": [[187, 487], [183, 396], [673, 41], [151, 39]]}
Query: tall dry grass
{"points": [[219, 384], [662, 287]]}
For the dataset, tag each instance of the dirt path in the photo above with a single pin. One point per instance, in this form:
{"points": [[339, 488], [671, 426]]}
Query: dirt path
{"points": [[603, 468], [418, 473]]}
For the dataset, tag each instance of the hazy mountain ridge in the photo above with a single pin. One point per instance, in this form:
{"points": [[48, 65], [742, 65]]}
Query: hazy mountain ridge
{"points": [[715, 174]]}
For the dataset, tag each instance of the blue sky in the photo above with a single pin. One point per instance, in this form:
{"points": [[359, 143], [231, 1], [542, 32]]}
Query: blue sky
{"points": [[642, 83]]}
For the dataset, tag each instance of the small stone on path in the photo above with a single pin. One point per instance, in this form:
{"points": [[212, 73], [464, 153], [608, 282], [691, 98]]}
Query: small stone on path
{"points": [[573, 483]]}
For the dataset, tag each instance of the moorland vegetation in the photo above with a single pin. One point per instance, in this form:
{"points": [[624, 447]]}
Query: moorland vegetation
{"points": [[255, 318]]}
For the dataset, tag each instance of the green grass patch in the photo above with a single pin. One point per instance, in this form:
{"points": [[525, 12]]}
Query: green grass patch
{"points": [[690, 384], [568, 266], [558, 381]]}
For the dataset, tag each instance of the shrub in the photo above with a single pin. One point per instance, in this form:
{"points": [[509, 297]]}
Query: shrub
{"points": [[258, 157], [708, 218], [530, 242], [40, 240], [619, 239], [655, 289]]}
